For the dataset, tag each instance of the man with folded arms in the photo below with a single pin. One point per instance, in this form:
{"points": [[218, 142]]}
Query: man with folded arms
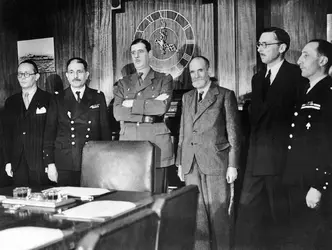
{"points": [[25, 116], [76, 115], [141, 101]]}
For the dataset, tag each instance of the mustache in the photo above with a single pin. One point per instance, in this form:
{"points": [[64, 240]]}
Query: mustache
{"points": [[76, 80]]}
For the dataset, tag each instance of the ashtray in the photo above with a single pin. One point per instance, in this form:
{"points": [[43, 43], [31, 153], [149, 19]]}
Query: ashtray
{"points": [[54, 195], [36, 196]]}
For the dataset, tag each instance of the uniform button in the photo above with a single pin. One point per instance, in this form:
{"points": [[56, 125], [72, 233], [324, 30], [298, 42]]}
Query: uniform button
{"points": [[324, 187], [88, 129], [152, 87], [128, 89], [72, 122], [296, 114], [152, 96], [89, 122], [73, 136], [24, 133], [326, 183], [309, 116], [290, 136], [289, 147], [72, 143], [139, 93], [72, 129], [293, 125], [317, 169], [87, 136]]}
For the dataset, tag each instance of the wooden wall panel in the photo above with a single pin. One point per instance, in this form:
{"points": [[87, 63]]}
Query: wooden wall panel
{"points": [[199, 15], [304, 20]]}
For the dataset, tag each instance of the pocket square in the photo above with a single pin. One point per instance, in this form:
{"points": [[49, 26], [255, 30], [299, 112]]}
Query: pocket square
{"points": [[95, 106], [41, 110]]}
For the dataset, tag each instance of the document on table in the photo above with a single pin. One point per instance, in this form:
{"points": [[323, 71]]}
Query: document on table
{"points": [[80, 191], [97, 210], [29, 237]]}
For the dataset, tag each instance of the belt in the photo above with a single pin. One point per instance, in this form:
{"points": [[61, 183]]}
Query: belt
{"points": [[150, 119]]}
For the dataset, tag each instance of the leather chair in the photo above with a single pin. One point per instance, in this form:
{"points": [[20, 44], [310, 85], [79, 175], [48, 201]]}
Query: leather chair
{"points": [[177, 212], [135, 231], [120, 165]]}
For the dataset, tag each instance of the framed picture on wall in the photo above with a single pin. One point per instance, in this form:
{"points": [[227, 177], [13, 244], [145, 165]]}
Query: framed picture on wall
{"points": [[41, 51]]}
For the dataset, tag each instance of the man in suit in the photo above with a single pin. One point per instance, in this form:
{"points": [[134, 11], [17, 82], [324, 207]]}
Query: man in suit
{"points": [[208, 153], [308, 170], [5, 180], [274, 92], [76, 115], [140, 103], [25, 117]]}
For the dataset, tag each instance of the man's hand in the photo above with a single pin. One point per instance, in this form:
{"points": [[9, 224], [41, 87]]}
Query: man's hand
{"points": [[162, 97], [52, 173], [9, 169], [231, 174], [128, 103], [180, 173], [313, 197]]}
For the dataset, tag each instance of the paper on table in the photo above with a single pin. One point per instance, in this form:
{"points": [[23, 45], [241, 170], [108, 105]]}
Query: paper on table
{"points": [[98, 209], [18, 238], [80, 191]]}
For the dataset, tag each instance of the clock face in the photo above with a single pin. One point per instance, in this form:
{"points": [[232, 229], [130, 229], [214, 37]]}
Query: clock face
{"points": [[172, 40]]}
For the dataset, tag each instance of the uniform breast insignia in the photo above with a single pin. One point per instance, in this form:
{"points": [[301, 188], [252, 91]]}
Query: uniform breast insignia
{"points": [[308, 125], [69, 114], [41, 110], [95, 106], [311, 105]]}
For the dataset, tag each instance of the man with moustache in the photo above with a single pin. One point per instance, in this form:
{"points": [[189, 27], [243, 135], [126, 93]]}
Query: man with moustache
{"points": [[25, 117], [208, 153], [140, 102], [308, 171], [274, 93], [76, 115]]}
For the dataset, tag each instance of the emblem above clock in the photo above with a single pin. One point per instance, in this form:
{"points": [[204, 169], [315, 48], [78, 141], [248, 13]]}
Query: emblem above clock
{"points": [[172, 40]]}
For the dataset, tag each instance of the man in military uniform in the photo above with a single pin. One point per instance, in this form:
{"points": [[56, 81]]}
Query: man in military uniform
{"points": [[25, 117], [76, 115], [309, 161], [141, 101]]}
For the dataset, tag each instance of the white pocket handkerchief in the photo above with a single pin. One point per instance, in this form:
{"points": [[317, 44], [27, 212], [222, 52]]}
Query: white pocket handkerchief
{"points": [[95, 106], [41, 110]]}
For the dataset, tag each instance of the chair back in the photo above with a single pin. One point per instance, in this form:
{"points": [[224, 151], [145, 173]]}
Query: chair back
{"points": [[177, 212], [135, 231], [120, 165]]}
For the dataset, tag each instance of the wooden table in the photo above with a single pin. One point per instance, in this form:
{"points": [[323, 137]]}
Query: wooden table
{"points": [[73, 230]]}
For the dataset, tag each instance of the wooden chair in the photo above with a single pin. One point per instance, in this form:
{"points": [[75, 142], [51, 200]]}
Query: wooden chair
{"points": [[135, 231], [177, 212], [120, 165]]}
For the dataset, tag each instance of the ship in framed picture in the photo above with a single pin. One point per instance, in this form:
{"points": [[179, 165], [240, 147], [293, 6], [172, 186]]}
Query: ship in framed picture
{"points": [[41, 51]]}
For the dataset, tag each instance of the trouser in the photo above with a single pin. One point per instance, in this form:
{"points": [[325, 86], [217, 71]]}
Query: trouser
{"points": [[213, 223], [23, 176], [160, 183], [263, 212]]}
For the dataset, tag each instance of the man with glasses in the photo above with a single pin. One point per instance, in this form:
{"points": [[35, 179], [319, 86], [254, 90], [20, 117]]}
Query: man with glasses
{"points": [[274, 92], [76, 115], [140, 103], [25, 116]]}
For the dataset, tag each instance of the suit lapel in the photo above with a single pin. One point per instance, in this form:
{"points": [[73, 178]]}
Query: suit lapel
{"points": [[209, 99], [69, 102], [84, 105]]}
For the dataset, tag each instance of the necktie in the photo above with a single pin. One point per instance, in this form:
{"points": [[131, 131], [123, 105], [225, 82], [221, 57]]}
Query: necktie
{"points": [[78, 96], [26, 100], [200, 96], [266, 84], [140, 80]]}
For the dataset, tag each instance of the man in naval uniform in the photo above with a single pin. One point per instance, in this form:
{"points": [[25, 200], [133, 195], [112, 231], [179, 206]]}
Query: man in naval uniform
{"points": [[140, 103], [309, 161], [76, 115]]}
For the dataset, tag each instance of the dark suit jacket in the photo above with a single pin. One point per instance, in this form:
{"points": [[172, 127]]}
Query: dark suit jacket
{"points": [[309, 157], [71, 124], [158, 133], [212, 135], [270, 119], [25, 129], [4, 179]]}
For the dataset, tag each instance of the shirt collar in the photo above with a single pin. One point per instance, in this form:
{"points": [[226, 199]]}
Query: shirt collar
{"points": [[145, 72], [314, 82], [30, 91], [274, 70], [205, 89], [81, 90]]}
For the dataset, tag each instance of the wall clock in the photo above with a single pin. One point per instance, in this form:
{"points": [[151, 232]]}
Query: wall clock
{"points": [[172, 40]]}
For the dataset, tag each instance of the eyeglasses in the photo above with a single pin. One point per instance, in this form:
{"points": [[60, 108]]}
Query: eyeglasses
{"points": [[25, 74], [264, 44]]}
